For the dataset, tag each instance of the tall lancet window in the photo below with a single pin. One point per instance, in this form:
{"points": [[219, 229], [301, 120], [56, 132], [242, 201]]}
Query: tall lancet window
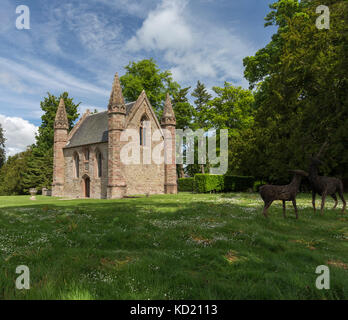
{"points": [[99, 164], [142, 130], [76, 165]]}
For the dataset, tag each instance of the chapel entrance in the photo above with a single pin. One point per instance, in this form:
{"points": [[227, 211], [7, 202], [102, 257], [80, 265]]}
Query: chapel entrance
{"points": [[87, 187]]}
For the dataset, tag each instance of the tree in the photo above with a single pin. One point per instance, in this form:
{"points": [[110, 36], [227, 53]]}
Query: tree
{"points": [[45, 136], [11, 180], [145, 75], [301, 91], [184, 113], [201, 119], [2, 147], [39, 168], [202, 105], [232, 109]]}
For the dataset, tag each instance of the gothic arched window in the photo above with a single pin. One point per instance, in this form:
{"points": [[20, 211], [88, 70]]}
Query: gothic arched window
{"points": [[99, 164], [86, 154], [76, 165], [142, 130]]}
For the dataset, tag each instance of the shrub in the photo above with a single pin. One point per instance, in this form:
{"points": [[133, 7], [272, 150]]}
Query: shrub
{"points": [[238, 183], [208, 182], [186, 184], [257, 185]]}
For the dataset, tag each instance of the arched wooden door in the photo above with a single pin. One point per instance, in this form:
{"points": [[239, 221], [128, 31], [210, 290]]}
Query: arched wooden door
{"points": [[87, 187]]}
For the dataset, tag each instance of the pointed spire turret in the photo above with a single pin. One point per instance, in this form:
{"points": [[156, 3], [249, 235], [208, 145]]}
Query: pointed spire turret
{"points": [[116, 102], [168, 116], [61, 120]]}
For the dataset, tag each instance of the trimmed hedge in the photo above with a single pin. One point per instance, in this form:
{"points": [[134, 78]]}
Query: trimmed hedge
{"points": [[238, 183], [203, 183], [208, 182], [186, 184], [257, 185]]}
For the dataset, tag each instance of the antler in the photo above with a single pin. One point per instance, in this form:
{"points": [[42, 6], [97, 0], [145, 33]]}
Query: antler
{"points": [[322, 148]]}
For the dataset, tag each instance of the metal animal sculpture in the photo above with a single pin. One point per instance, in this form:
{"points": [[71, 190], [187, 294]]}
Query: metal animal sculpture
{"points": [[288, 192], [324, 185]]}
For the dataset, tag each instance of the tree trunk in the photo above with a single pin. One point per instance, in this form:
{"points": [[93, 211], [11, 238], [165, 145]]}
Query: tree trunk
{"points": [[181, 171]]}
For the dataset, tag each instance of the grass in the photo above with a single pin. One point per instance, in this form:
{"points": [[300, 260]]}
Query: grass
{"points": [[186, 246]]}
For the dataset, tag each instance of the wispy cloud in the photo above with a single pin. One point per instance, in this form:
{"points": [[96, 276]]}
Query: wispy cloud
{"points": [[42, 75], [77, 47]]}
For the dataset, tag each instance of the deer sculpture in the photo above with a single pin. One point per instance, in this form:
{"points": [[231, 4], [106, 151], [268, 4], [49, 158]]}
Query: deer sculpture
{"points": [[288, 192], [324, 186]]}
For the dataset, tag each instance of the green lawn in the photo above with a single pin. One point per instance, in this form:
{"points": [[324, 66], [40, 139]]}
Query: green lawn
{"points": [[186, 246]]}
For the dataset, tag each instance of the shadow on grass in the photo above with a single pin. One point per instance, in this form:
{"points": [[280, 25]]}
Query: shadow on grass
{"points": [[169, 247]]}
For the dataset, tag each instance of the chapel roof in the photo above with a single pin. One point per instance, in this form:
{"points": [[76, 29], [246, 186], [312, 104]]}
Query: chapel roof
{"points": [[94, 129]]}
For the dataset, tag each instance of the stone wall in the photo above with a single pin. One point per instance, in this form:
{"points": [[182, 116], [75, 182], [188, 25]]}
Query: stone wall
{"points": [[75, 186], [144, 178]]}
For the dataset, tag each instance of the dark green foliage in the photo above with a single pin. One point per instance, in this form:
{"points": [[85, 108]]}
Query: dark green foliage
{"points": [[184, 113], [11, 179], [2, 147], [186, 184], [45, 137], [301, 93], [238, 183], [220, 183], [39, 169], [34, 168], [257, 185], [208, 182], [202, 106]]}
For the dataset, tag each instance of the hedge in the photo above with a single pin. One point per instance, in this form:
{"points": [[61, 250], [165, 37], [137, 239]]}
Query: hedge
{"points": [[186, 184], [238, 183], [203, 183], [208, 182], [257, 185]]}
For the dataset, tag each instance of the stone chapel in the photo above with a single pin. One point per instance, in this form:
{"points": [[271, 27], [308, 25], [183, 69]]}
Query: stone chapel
{"points": [[87, 160]]}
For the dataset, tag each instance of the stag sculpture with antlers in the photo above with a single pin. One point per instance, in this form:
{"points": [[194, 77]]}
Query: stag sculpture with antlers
{"points": [[324, 185]]}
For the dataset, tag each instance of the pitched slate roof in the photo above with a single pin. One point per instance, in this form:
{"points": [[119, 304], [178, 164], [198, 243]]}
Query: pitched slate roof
{"points": [[94, 129]]}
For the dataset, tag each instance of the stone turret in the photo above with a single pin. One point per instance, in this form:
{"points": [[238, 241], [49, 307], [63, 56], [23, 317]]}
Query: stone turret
{"points": [[168, 124], [116, 124], [61, 126]]}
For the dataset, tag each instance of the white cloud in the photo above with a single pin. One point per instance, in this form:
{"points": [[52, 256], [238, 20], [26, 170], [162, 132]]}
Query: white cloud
{"points": [[195, 48], [19, 134], [164, 29]]}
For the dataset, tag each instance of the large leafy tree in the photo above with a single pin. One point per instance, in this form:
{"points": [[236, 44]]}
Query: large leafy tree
{"points": [[2, 147], [145, 75], [301, 91], [11, 180], [201, 116], [232, 109], [184, 113]]}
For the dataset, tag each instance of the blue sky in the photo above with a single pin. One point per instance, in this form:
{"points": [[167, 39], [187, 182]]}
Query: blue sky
{"points": [[77, 46]]}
